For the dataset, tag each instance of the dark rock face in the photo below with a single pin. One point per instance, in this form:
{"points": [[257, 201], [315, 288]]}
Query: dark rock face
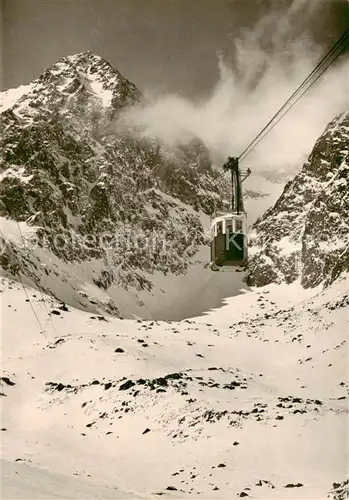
{"points": [[306, 233], [91, 191]]}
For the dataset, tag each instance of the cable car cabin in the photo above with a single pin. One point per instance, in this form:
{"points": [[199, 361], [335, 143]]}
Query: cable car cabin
{"points": [[229, 230], [229, 240]]}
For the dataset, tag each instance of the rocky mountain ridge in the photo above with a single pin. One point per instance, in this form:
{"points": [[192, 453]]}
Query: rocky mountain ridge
{"points": [[305, 235]]}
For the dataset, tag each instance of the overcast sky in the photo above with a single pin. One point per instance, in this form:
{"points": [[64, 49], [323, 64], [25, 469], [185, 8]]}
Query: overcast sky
{"points": [[169, 45]]}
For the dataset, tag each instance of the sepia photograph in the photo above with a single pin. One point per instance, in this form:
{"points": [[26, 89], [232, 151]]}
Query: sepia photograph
{"points": [[174, 236]]}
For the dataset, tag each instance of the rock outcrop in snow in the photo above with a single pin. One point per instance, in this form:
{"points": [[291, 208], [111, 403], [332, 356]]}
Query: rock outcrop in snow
{"points": [[306, 233]]}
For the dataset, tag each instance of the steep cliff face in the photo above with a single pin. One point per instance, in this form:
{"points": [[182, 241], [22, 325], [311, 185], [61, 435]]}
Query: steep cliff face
{"points": [[306, 233], [92, 191]]}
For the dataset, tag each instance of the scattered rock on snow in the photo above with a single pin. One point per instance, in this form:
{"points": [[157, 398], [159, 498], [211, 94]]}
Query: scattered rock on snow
{"points": [[7, 381]]}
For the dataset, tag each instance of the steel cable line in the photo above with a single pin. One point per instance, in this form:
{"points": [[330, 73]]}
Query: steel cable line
{"points": [[40, 292], [42, 330], [341, 44], [290, 107]]}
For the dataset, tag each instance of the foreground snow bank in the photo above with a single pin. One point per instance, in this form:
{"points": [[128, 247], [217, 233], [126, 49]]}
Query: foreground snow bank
{"points": [[22, 480], [250, 400]]}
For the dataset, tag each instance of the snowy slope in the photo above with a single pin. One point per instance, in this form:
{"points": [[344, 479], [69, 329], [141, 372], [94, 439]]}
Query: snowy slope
{"points": [[9, 97], [250, 400], [172, 297], [22, 480]]}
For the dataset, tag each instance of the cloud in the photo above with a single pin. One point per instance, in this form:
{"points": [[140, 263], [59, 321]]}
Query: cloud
{"points": [[270, 61]]}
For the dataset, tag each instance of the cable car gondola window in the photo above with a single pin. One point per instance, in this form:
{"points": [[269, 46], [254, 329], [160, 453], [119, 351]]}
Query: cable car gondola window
{"points": [[220, 227], [229, 226], [238, 225]]}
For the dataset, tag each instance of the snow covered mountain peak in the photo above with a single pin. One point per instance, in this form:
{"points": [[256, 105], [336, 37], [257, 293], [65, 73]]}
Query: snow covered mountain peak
{"points": [[69, 172], [70, 83], [95, 75]]}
